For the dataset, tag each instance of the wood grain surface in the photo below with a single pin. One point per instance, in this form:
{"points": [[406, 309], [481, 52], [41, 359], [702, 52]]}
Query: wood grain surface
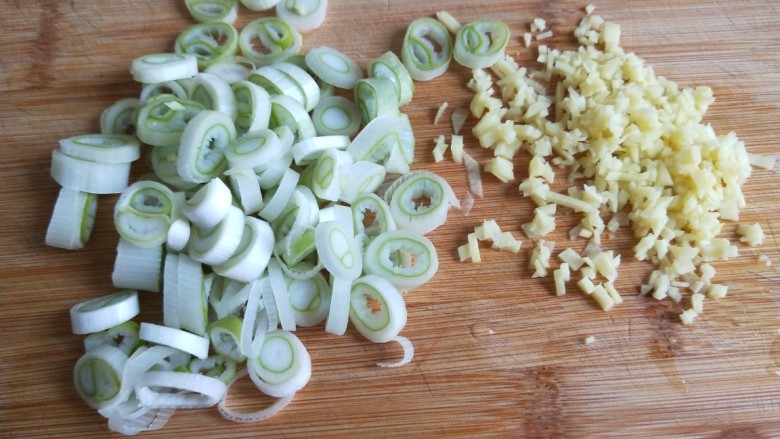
{"points": [[497, 354]]}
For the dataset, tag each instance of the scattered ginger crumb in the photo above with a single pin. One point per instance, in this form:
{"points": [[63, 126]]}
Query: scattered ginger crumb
{"points": [[589, 340]]}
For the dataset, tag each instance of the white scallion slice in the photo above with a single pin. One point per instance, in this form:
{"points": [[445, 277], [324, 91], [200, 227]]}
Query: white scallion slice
{"points": [[214, 93], [382, 217], [310, 299], [338, 249], [208, 42], [309, 150], [164, 164], [362, 177], [161, 67], [175, 88], [144, 212], [283, 365], [170, 389], [328, 173], [97, 376], [427, 49], [137, 267], [303, 15], [216, 245], [123, 336], [255, 150], [88, 176], [201, 151], [278, 197], [175, 338], [162, 119], [333, 67], [377, 308], [104, 148], [271, 175], [390, 67], [170, 290], [225, 335], [215, 366], [304, 81], [227, 296], [119, 117], [481, 43], [375, 97], [336, 115], [406, 259], [268, 40], [104, 312], [232, 69], [193, 300], [209, 205], [419, 202], [408, 348], [246, 189], [205, 11], [259, 5], [72, 219], [256, 416], [286, 111], [258, 307], [281, 296], [275, 82], [253, 105], [178, 235], [253, 253], [338, 314]]}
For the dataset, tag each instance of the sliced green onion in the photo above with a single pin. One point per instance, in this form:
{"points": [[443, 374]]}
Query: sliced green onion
{"points": [[375, 97], [119, 117], [175, 338], [144, 212], [228, 296], [427, 49], [304, 81], [215, 366], [278, 196], [390, 67], [164, 161], [268, 40], [418, 216], [253, 105], [253, 253], [209, 205], [97, 376], [338, 314], [303, 15], [309, 150], [204, 11], [72, 219], [310, 299], [170, 290], [105, 148], [382, 217], [214, 93], [281, 297], [193, 300], [232, 69], [333, 67], [201, 151], [301, 211], [360, 178], [162, 119], [377, 308], [277, 83], [336, 115], [246, 189], [386, 139], [225, 335], [216, 245], [170, 389], [406, 259], [161, 67], [178, 235], [283, 365], [136, 267], [176, 88], [259, 5], [286, 111], [88, 176], [408, 353], [123, 336], [338, 249], [328, 173], [255, 150], [256, 416], [481, 43], [273, 172], [253, 324], [101, 313]]}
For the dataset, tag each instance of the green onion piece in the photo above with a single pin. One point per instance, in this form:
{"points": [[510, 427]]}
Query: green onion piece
{"points": [[406, 259], [201, 151], [253, 253], [338, 249], [144, 212], [97, 376], [382, 218], [253, 105], [302, 211], [255, 150], [286, 111], [215, 366], [360, 178], [278, 196], [175, 338], [283, 365], [123, 336], [309, 150], [161, 67], [137, 267], [273, 172], [336, 115], [119, 117], [268, 40], [303, 15], [105, 148], [231, 68], [246, 189], [481, 43], [427, 49], [192, 296], [338, 314], [304, 81], [176, 88], [328, 173], [178, 389], [214, 93], [227, 296], [216, 245], [225, 335], [259, 5], [88, 176], [276, 82], [204, 11], [208, 42], [386, 139], [281, 297], [419, 201], [72, 219], [101, 313], [162, 119], [297, 245], [375, 97], [209, 205], [377, 308], [390, 67], [164, 161], [310, 299], [333, 67]]}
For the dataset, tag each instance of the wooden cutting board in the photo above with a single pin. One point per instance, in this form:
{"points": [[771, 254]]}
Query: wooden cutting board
{"points": [[497, 354]]}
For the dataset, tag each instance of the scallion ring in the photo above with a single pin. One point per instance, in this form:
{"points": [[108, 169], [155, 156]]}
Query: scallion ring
{"points": [[310, 299], [231, 68], [144, 212], [283, 365], [246, 189], [205, 11], [389, 66], [215, 366], [225, 335], [419, 201], [176, 88], [88, 176], [208, 42], [72, 219], [161, 67], [119, 117], [97, 376], [256, 416], [338, 314], [309, 150], [175, 338], [253, 253], [427, 49], [281, 297], [481, 43], [286, 111], [259, 5], [277, 83], [406, 259], [101, 313], [377, 308], [304, 81], [192, 296], [333, 67], [216, 245], [278, 196], [338, 249], [209, 205], [137, 267], [336, 115], [268, 40], [381, 222], [253, 106], [214, 93], [162, 119], [362, 177], [164, 164], [123, 336], [303, 15], [375, 97], [171, 389], [201, 150]]}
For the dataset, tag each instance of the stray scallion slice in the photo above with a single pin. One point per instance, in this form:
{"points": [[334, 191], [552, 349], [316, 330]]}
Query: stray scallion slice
{"points": [[481, 43], [333, 67], [303, 15], [427, 49], [268, 40], [205, 11], [208, 42]]}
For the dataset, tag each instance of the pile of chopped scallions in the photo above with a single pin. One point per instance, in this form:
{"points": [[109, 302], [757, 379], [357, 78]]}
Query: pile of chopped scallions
{"points": [[265, 211]]}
